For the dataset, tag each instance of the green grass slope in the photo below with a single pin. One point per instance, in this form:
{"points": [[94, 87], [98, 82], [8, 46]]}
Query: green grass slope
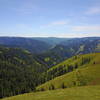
{"points": [[77, 93], [78, 59], [86, 74]]}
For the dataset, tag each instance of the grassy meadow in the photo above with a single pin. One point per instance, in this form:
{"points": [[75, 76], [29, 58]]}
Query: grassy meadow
{"points": [[77, 93], [82, 76]]}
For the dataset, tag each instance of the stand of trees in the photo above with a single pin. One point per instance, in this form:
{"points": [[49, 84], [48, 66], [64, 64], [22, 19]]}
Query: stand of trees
{"points": [[19, 72], [62, 69]]}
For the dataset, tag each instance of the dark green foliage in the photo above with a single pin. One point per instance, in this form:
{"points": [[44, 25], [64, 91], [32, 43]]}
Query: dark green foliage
{"points": [[42, 89], [52, 87], [19, 72], [76, 66], [60, 70], [63, 86], [70, 68], [63, 69], [85, 61], [51, 74]]}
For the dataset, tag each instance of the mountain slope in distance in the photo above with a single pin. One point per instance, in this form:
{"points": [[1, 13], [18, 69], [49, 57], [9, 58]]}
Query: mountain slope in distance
{"points": [[70, 48], [30, 44]]}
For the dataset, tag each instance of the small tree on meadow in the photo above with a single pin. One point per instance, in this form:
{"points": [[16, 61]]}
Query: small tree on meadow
{"points": [[52, 87], [63, 86], [42, 89]]}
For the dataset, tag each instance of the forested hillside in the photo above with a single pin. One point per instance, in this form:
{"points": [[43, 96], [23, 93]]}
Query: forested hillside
{"points": [[52, 40], [30, 44], [70, 48], [20, 71]]}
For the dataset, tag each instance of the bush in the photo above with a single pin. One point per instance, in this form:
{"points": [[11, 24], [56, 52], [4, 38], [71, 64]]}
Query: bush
{"points": [[52, 87], [63, 86]]}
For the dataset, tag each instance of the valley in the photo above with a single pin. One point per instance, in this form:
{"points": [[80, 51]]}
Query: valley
{"points": [[49, 49], [64, 66]]}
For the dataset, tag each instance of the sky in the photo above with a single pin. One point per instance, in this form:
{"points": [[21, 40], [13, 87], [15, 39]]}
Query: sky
{"points": [[50, 18]]}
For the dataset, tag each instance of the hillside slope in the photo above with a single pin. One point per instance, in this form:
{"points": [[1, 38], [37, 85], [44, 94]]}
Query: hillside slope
{"points": [[69, 48], [52, 40], [79, 93], [19, 70], [30, 44], [86, 72]]}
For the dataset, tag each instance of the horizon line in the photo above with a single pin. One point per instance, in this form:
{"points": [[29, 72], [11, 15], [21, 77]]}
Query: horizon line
{"points": [[47, 37]]}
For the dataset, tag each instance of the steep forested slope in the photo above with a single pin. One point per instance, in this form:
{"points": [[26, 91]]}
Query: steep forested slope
{"points": [[19, 71]]}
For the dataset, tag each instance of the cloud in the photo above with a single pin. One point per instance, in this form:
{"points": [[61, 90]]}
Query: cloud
{"points": [[73, 35], [86, 28], [55, 23], [93, 10]]}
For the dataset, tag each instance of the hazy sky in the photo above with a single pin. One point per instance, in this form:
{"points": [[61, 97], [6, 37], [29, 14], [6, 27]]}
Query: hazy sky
{"points": [[54, 18]]}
